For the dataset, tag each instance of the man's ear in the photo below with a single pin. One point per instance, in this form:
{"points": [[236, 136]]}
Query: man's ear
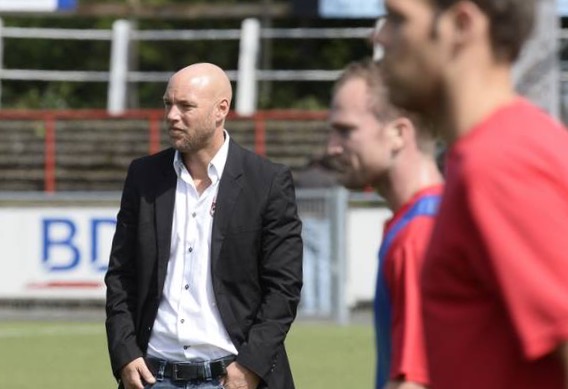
{"points": [[468, 23], [223, 108], [399, 131]]}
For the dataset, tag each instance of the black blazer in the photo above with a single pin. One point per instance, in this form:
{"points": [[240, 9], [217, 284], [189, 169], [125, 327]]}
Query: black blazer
{"points": [[256, 260]]}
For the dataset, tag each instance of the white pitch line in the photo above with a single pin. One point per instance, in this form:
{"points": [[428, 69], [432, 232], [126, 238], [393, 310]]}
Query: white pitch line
{"points": [[50, 331]]}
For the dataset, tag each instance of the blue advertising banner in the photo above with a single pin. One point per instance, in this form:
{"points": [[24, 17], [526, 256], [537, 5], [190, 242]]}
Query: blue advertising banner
{"points": [[37, 5], [65, 5]]}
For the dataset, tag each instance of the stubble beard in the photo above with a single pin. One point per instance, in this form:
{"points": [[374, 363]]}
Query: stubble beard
{"points": [[410, 97], [355, 179], [410, 89], [196, 138], [193, 141]]}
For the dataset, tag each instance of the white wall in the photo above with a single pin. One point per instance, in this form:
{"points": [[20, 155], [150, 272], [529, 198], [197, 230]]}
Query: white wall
{"points": [[364, 233]]}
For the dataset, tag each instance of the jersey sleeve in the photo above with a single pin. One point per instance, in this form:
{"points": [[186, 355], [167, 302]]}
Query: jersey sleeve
{"points": [[520, 212], [408, 361]]}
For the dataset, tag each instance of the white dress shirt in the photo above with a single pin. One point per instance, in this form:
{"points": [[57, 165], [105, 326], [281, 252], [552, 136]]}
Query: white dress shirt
{"points": [[188, 325]]}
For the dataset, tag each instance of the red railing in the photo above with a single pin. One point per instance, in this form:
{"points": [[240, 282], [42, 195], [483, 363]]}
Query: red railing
{"points": [[154, 118]]}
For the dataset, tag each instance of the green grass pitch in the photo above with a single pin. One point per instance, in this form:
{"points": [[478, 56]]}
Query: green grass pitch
{"points": [[66, 355]]}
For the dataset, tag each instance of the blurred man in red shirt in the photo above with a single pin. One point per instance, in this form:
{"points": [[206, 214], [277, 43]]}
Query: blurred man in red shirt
{"points": [[495, 280]]}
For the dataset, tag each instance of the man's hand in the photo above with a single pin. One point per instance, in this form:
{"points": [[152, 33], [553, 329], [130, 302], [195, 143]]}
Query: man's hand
{"points": [[404, 385], [136, 374], [239, 377]]}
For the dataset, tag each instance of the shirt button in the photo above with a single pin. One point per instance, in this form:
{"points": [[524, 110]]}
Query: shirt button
{"points": [[182, 321], [190, 249], [194, 214], [186, 286]]}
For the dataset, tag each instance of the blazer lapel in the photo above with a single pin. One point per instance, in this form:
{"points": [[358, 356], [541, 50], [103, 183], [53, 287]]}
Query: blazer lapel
{"points": [[164, 208], [229, 190]]}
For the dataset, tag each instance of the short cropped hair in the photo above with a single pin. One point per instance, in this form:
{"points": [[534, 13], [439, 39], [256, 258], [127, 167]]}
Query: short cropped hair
{"points": [[510, 23], [369, 71]]}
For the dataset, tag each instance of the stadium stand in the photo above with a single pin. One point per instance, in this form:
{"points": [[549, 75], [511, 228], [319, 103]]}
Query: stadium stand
{"points": [[93, 154]]}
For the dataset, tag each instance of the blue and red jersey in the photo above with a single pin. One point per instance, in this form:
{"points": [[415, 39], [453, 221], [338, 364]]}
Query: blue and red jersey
{"points": [[397, 307]]}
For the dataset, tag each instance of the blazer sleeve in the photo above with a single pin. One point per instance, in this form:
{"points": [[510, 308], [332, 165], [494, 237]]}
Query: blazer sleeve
{"points": [[120, 281], [280, 273]]}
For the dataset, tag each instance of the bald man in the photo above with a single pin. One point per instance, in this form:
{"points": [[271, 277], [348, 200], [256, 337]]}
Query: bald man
{"points": [[206, 262]]}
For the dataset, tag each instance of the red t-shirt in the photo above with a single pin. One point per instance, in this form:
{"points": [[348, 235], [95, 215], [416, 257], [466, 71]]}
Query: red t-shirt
{"points": [[495, 278], [403, 265]]}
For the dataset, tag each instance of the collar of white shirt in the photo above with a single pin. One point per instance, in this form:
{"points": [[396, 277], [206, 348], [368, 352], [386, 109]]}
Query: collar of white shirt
{"points": [[216, 166]]}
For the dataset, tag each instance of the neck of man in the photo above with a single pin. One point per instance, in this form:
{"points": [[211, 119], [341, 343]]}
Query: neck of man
{"points": [[473, 95], [197, 162], [408, 177]]}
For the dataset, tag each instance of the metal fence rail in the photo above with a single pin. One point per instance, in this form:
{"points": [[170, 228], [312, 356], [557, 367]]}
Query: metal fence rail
{"points": [[123, 33], [247, 75]]}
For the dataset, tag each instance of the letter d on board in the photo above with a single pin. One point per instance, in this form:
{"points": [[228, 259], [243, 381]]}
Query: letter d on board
{"points": [[99, 264], [63, 241]]}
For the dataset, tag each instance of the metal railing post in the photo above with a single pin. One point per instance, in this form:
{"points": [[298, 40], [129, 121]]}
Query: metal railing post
{"points": [[340, 199], [154, 133], [247, 88], [118, 79], [49, 154], [260, 134]]}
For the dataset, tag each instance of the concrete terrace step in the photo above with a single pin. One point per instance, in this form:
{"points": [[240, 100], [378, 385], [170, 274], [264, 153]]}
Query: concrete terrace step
{"points": [[93, 155]]}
